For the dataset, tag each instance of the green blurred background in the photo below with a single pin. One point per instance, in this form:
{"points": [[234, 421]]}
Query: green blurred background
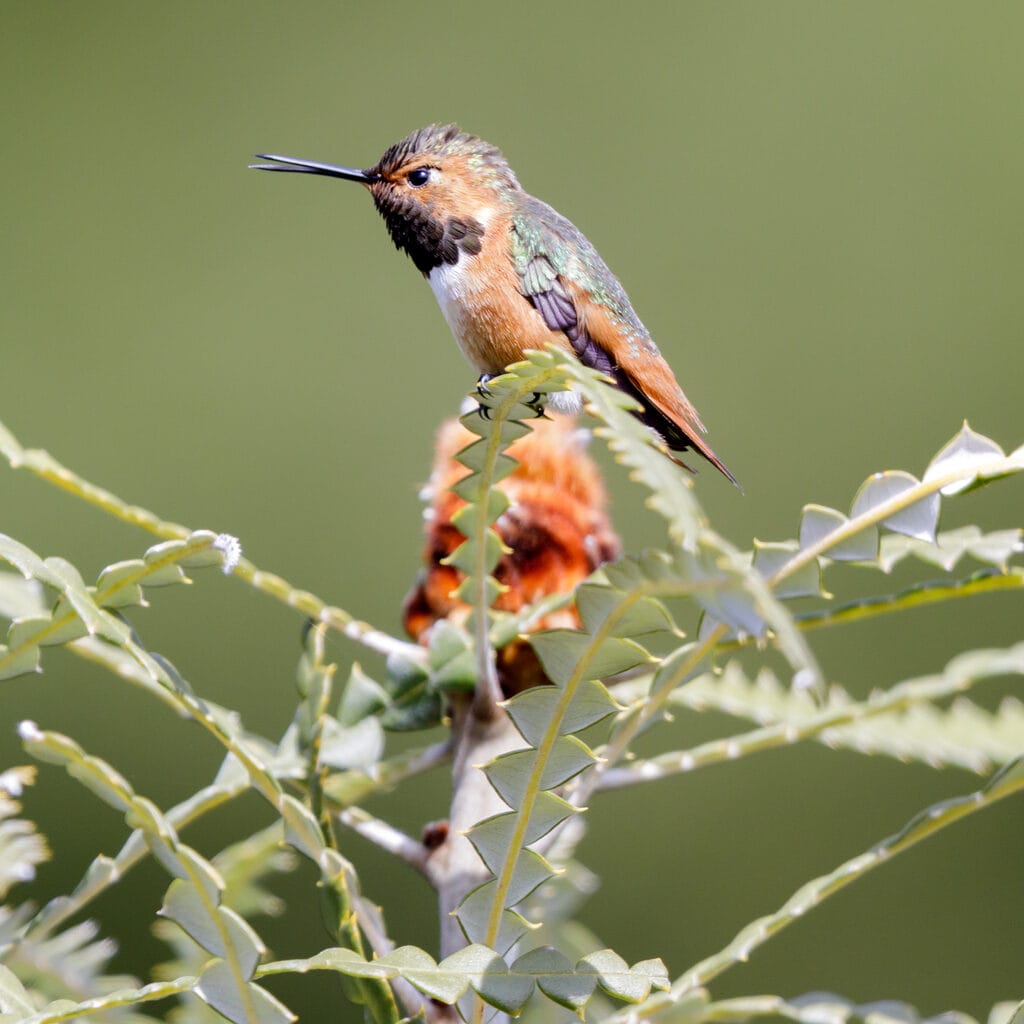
{"points": [[817, 210]]}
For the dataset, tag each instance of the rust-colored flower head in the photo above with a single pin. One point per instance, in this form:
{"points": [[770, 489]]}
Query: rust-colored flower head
{"points": [[556, 526]]}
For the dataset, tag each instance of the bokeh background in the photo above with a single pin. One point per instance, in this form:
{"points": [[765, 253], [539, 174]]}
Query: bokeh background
{"points": [[817, 210]]}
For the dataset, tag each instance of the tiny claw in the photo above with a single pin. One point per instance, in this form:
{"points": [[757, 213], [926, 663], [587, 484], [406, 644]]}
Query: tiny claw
{"points": [[481, 384], [536, 405], [483, 411]]}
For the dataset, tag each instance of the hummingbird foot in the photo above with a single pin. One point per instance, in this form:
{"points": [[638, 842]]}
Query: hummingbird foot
{"points": [[481, 384], [536, 406]]}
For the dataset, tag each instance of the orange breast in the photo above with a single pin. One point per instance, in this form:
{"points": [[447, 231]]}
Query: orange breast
{"points": [[479, 296]]}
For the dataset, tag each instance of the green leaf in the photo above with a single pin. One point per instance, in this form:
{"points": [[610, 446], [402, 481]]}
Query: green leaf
{"points": [[918, 519], [566, 653], [474, 914], [493, 836], [75, 593], [240, 1002], [618, 979], [20, 598], [995, 548], [302, 830], [361, 697], [14, 664], [969, 455], [771, 556], [13, 997], [217, 929], [119, 584], [595, 602], [45, 631], [820, 523], [532, 710], [510, 774], [556, 977], [357, 746]]}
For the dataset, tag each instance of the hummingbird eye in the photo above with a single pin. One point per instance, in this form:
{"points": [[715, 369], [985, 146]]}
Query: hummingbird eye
{"points": [[419, 177]]}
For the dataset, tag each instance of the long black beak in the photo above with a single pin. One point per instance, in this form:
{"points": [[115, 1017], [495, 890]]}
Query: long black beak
{"points": [[289, 163]]}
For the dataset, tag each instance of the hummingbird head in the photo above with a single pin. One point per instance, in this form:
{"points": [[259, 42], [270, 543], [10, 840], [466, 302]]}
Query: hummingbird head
{"points": [[436, 190]]}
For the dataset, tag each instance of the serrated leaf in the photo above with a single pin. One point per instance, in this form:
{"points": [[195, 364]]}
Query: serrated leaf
{"points": [[562, 653], [75, 594], [770, 556], [490, 977], [466, 590], [13, 997], [27, 562], [22, 663], [509, 774], [968, 451], [819, 522], [361, 698], [531, 871], [205, 557], [474, 456], [556, 977], [618, 979], [492, 837], [116, 593], [219, 930], [918, 519], [1006, 782], [20, 598], [421, 713], [49, 631], [473, 915], [732, 606], [404, 677], [302, 830], [440, 982], [245, 1003], [478, 512], [595, 602], [474, 962], [355, 746], [464, 556], [170, 573], [452, 659], [532, 710]]}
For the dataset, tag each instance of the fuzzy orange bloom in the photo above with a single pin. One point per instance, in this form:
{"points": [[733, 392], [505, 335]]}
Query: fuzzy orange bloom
{"points": [[556, 526]]}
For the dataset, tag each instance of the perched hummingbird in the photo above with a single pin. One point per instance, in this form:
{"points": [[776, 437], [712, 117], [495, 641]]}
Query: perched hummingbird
{"points": [[510, 273]]}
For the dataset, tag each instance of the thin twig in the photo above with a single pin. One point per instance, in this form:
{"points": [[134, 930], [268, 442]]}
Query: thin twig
{"points": [[386, 837]]}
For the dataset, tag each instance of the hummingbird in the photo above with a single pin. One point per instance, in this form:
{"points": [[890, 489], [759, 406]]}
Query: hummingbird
{"points": [[510, 273]]}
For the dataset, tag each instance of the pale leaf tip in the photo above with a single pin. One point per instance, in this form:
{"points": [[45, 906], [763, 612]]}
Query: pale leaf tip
{"points": [[803, 680], [28, 730]]}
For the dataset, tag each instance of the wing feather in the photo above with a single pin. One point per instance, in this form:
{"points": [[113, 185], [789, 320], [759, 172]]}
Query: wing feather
{"points": [[607, 336]]}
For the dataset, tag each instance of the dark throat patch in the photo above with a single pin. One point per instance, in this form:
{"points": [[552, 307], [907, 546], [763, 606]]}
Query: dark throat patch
{"points": [[429, 240]]}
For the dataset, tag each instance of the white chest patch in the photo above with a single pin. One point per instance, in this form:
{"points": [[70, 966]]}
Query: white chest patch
{"points": [[450, 287]]}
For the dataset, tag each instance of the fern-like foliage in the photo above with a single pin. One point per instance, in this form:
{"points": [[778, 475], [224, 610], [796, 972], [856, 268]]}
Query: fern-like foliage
{"points": [[506, 987], [618, 608], [194, 900], [21, 846], [244, 868], [81, 610], [899, 502], [629, 663], [903, 721]]}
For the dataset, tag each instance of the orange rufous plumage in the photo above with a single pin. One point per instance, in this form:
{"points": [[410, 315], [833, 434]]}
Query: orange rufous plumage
{"points": [[556, 526]]}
